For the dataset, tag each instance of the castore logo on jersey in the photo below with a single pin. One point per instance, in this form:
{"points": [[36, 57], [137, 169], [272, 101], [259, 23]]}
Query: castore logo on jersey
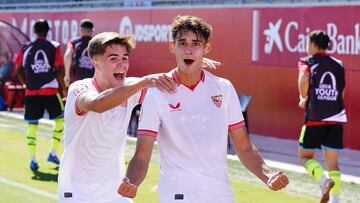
{"points": [[175, 108]]}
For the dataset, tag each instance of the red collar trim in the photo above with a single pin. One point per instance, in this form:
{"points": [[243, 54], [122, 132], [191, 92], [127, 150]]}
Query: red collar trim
{"points": [[94, 82], [176, 78]]}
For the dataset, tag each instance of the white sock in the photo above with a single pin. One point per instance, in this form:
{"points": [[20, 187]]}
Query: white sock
{"points": [[334, 198], [33, 158], [322, 181], [53, 152]]}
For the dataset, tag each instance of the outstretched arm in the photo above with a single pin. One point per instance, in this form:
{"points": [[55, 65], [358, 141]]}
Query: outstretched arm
{"points": [[253, 161], [115, 96], [110, 98], [138, 166]]}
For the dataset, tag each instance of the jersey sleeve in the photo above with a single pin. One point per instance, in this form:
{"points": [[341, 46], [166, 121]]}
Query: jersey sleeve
{"points": [[303, 66], [235, 116], [75, 91], [149, 120], [70, 45]]}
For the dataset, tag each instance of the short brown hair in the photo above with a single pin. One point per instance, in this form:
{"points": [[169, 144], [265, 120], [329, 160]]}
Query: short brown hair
{"points": [[99, 42], [182, 24]]}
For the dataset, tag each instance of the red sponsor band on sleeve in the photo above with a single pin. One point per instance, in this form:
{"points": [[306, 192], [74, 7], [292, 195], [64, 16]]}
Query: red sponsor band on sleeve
{"points": [[144, 132], [237, 125]]}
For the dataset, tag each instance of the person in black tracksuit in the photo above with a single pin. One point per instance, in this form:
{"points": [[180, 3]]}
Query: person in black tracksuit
{"points": [[77, 62], [321, 87], [40, 67]]}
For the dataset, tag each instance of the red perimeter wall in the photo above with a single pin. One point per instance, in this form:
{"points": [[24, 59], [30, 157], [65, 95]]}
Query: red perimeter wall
{"points": [[259, 48]]}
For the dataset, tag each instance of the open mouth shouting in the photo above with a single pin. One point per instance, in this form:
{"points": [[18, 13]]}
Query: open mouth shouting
{"points": [[119, 76], [188, 62]]}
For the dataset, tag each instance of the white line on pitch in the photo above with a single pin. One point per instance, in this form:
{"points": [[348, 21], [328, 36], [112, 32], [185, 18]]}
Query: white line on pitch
{"points": [[29, 188]]}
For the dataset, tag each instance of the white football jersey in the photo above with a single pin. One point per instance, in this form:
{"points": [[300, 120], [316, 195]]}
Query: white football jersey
{"points": [[92, 165], [191, 127]]}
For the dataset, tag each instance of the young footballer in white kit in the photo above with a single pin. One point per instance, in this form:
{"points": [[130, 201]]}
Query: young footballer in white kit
{"points": [[97, 114], [191, 127]]}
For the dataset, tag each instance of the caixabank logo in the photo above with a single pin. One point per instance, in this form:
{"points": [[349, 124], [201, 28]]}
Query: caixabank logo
{"points": [[287, 36]]}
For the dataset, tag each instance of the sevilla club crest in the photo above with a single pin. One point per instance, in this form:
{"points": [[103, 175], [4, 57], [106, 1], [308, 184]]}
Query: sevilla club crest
{"points": [[217, 99]]}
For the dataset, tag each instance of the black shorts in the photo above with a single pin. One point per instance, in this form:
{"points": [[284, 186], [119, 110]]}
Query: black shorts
{"points": [[35, 107], [328, 136]]}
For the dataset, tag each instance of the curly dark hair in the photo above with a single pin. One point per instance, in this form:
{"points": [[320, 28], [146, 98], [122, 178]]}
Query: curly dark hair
{"points": [[182, 24], [320, 39]]}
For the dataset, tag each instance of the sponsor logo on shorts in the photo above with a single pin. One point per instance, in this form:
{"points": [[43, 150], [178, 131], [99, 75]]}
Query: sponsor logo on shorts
{"points": [[179, 196], [67, 194]]}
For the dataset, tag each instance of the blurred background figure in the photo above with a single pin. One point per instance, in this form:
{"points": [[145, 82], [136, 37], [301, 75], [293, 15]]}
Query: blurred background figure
{"points": [[40, 68], [321, 88], [11, 39], [6, 67], [76, 58]]}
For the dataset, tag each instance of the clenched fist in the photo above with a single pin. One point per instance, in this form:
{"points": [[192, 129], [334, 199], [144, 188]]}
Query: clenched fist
{"points": [[126, 189], [277, 181]]}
